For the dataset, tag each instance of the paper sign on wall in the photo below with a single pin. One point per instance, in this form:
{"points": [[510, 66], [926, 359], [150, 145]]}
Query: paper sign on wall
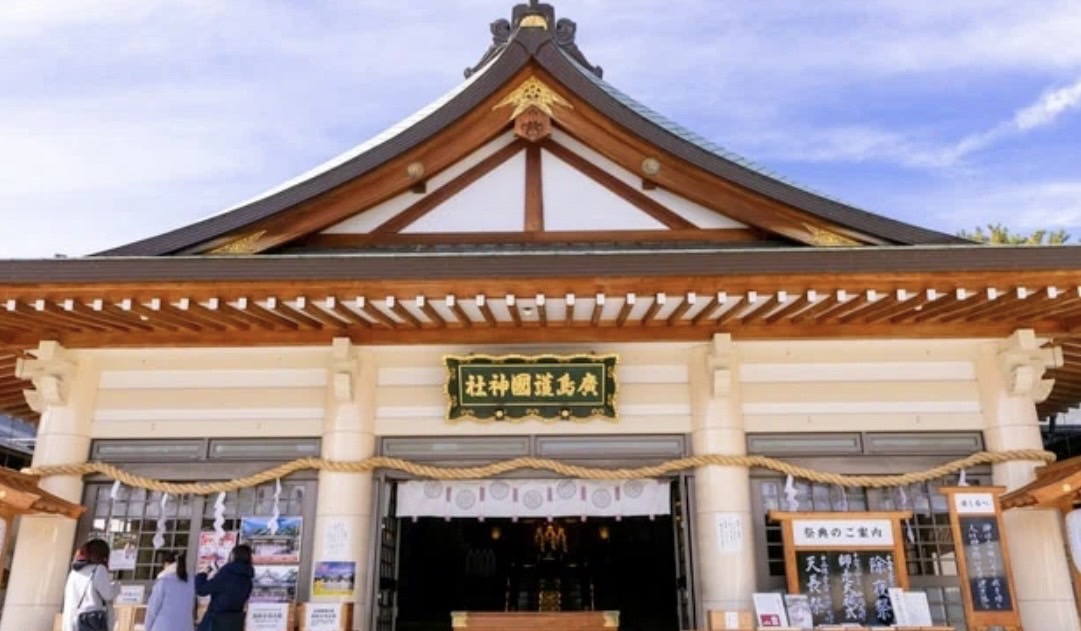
{"points": [[267, 617], [336, 539], [323, 617], [131, 595], [729, 533]]}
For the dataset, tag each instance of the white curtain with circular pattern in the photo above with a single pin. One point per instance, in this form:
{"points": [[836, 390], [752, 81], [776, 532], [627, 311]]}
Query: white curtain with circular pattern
{"points": [[533, 498]]}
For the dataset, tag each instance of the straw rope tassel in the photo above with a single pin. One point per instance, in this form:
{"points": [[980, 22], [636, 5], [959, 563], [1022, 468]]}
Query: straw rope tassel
{"points": [[575, 471]]}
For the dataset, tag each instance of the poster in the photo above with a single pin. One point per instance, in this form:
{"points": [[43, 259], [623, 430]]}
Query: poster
{"points": [[280, 547], [267, 617], [214, 552], [334, 578], [124, 549], [729, 533], [323, 617], [769, 610], [799, 611], [131, 595], [275, 583], [336, 538]]}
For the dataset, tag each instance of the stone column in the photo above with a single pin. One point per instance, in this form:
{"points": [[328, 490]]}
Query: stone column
{"points": [[343, 510], [726, 568], [1011, 383], [64, 391]]}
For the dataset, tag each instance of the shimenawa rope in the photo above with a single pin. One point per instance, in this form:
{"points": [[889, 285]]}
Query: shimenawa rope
{"points": [[539, 464]]}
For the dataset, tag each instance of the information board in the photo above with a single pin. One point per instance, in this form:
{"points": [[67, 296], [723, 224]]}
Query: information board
{"points": [[848, 586], [845, 563]]}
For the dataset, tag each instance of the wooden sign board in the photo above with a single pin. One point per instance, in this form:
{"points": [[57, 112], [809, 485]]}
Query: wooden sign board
{"points": [[845, 563], [983, 560]]}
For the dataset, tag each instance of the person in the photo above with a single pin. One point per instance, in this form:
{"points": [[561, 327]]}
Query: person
{"points": [[229, 589], [172, 601], [89, 586]]}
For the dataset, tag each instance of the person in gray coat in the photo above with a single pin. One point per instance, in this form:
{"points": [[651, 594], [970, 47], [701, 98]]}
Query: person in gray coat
{"points": [[89, 586], [172, 600]]}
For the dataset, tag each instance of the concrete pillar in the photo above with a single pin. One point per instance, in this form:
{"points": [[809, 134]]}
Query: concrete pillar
{"points": [[726, 567], [1011, 384], [64, 391], [343, 510]]}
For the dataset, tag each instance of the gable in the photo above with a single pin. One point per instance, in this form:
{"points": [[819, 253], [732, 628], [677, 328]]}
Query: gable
{"points": [[540, 86]]}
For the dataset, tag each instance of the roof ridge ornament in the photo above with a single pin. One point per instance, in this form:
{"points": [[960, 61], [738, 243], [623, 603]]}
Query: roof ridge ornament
{"points": [[540, 16]]}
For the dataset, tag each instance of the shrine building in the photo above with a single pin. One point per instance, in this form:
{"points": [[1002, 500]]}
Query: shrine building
{"points": [[536, 266]]}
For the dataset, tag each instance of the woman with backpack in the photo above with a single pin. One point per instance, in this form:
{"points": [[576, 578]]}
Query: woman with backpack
{"points": [[89, 593], [172, 601]]}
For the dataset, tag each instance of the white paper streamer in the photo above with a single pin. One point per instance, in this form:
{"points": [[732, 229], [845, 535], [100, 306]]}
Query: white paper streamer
{"points": [[844, 500], [272, 525], [115, 493], [219, 517], [790, 495], [963, 480], [159, 534], [910, 534]]}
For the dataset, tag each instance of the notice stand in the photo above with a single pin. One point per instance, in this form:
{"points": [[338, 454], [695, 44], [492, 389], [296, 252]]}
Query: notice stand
{"points": [[845, 563], [983, 560]]}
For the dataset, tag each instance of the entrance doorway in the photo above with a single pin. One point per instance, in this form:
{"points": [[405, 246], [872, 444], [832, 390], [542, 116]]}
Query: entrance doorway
{"points": [[638, 566]]}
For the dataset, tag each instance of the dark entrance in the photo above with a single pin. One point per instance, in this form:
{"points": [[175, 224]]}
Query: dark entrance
{"points": [[537, 565]]}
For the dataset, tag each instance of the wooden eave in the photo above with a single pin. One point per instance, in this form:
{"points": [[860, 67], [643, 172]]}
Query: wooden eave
{"points": [[487, 298], [1056, 486], [467, 120], [21, 495]]}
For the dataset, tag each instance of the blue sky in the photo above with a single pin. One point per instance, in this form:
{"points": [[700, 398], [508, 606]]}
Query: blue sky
{"points": [[120, 119]]}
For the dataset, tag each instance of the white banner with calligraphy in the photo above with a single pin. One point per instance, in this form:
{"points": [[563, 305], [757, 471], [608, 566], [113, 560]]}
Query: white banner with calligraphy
{"points": [[533, 498], [871, 533]]}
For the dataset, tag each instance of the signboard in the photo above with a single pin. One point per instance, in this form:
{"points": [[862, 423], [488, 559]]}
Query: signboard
{"points": [[131, 595], [517, 387], [983, 558], [845, 563], [267, 617], [324, 617]]}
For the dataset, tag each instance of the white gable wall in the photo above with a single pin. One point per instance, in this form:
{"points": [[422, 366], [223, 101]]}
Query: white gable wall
{"points": [[573, 201], [494, 203]]}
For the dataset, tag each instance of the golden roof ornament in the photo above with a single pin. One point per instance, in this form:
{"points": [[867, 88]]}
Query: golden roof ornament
{"points": [[533, 93], [828, 239], [248, 244]]}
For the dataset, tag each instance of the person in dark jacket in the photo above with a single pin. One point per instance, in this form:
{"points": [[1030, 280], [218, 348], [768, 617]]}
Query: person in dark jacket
{"points": [[229, 589]]}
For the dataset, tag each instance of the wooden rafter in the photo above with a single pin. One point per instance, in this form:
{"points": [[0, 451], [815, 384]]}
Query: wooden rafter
{"points": [[643, 202], [432, 200], [346, 241]]}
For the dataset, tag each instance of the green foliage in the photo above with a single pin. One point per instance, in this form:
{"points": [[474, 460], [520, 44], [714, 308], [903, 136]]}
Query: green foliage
{"points": [[998, 234]]}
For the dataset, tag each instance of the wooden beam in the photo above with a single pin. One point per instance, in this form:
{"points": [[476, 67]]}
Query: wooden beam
{"points": [[542, 309], [374, 314], [759, 311], [598, 310], [295, 315], [512, 308], [324, 241], [738, 305], [568, 310], [625, 310], [908, 305], [347, 314], [428, 203], [688, 301], [712, 303], [429, 312], [459, 313], [805, 298], [653, 309], [272, 314], [811, 313], [312, 309], [397, 308], [485, 311], [617, 186], [534, 190]]}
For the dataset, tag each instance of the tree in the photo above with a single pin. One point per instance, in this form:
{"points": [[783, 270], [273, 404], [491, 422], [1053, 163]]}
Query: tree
{"points": [[998, 234]]}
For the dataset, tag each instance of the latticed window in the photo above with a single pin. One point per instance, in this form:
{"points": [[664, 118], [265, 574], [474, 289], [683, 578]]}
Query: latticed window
{"points": [[136, 512], [929, 550]]}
